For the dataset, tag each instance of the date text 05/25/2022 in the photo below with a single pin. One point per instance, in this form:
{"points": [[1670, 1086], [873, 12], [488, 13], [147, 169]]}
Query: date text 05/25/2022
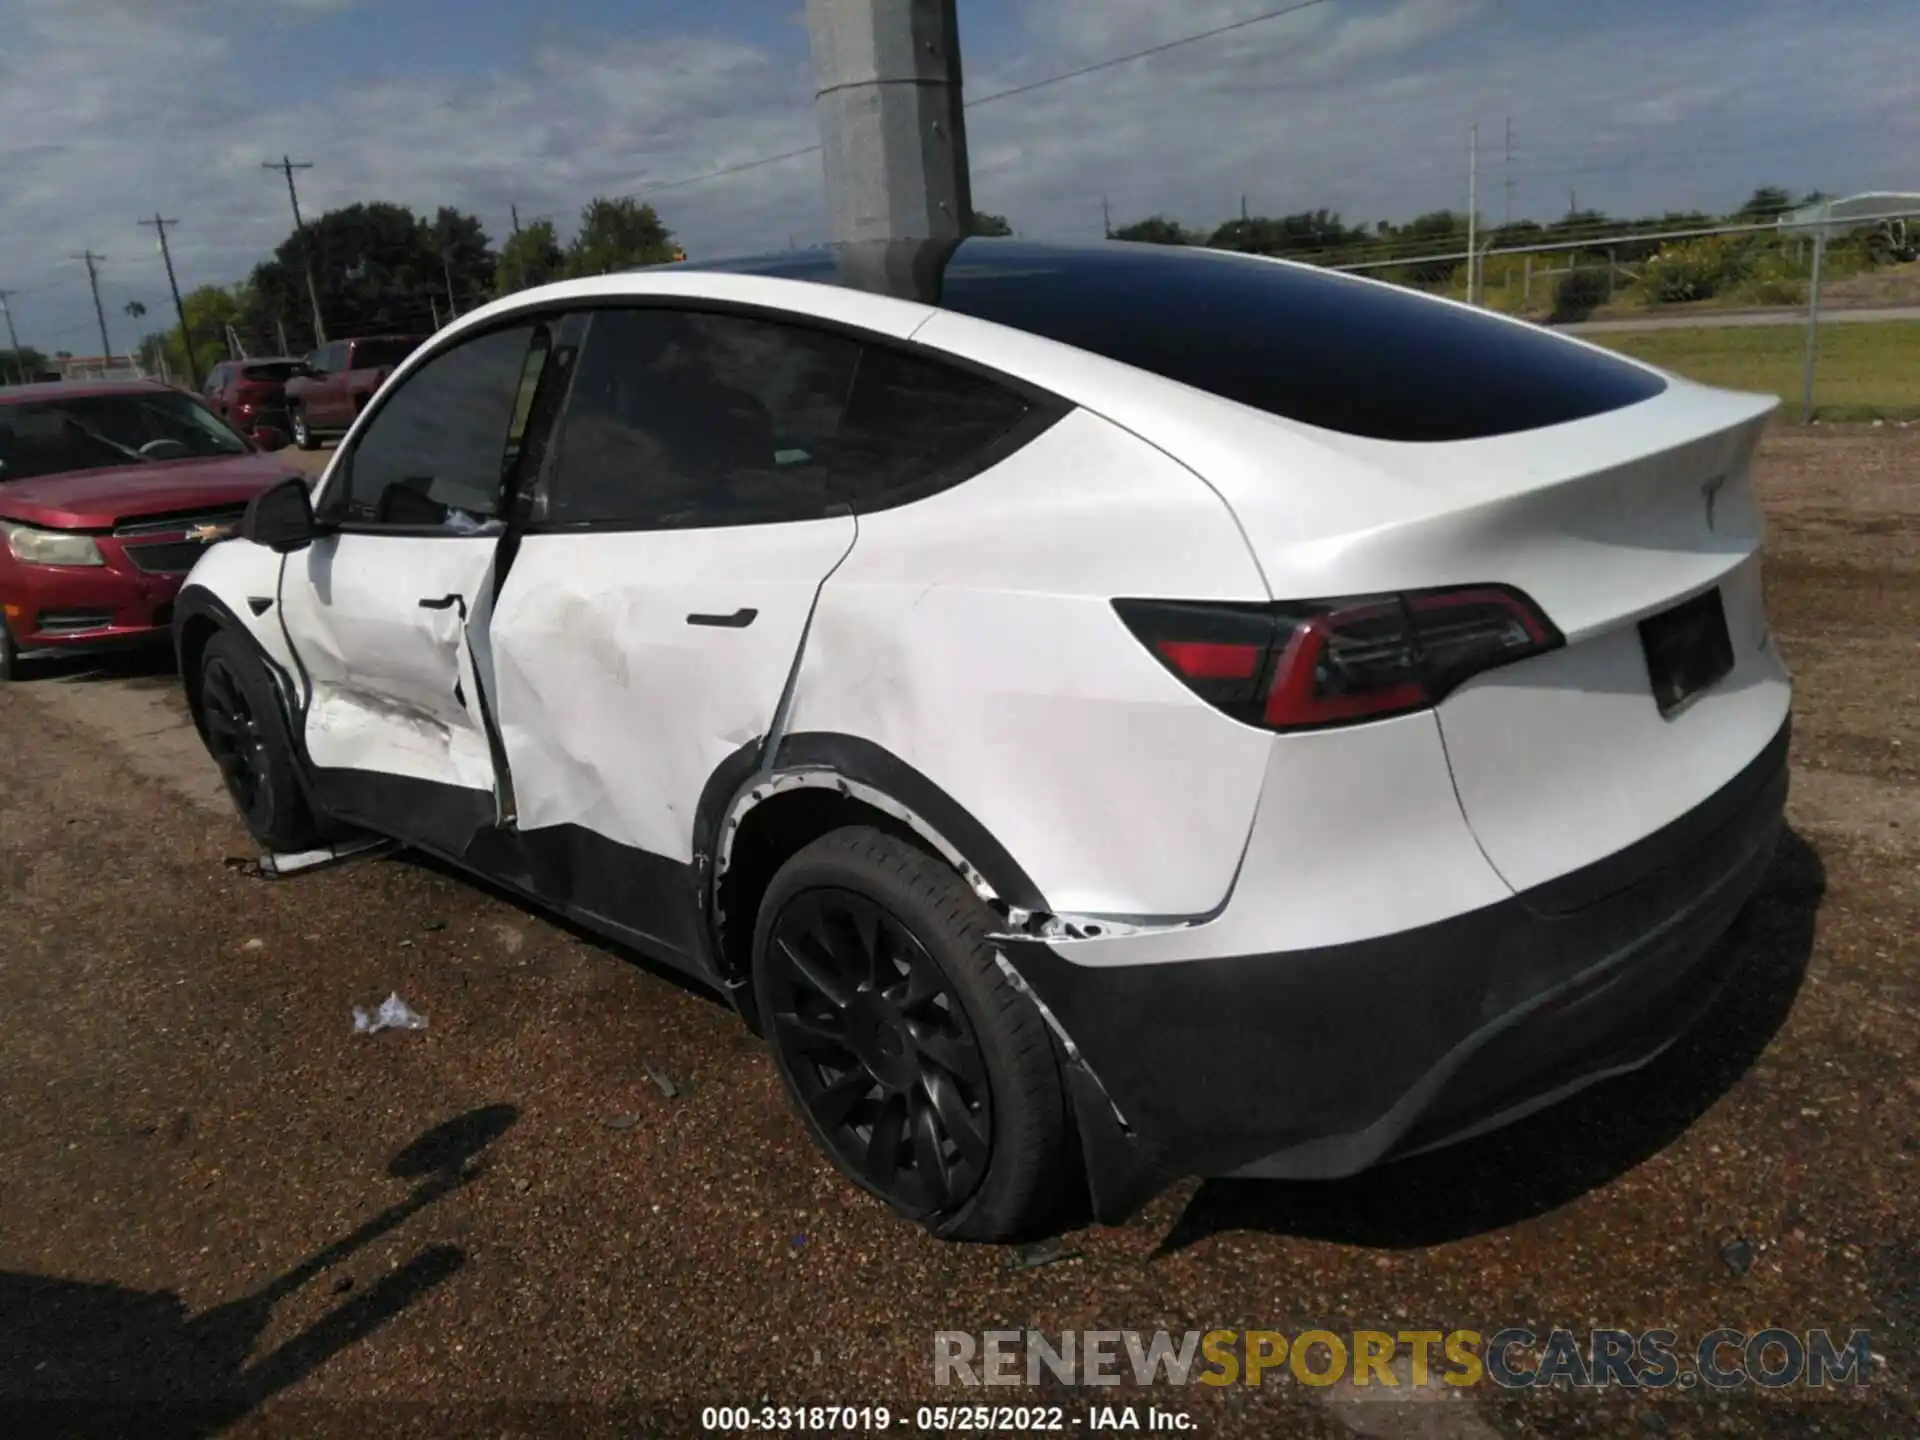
{"points": [[941, 1419]]}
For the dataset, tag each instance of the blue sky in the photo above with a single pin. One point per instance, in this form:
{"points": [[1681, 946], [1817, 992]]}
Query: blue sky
{"points": [[110, 109]]}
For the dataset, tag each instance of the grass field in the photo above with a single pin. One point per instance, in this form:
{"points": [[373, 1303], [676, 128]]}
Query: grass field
{"points": [[1866, 372]]}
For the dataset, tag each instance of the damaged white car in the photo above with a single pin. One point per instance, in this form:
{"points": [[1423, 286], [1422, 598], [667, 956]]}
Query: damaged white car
{"points": [[1102, 713]]}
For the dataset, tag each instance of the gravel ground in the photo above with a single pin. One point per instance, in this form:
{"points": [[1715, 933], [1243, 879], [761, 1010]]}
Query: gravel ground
{"points": [[218, 1198]]}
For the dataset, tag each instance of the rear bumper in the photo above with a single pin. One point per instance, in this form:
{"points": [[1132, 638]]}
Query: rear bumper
{"points": [[1319, 1063]]}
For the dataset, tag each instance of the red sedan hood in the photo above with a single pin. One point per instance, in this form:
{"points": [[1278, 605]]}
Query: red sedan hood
{"points": [[100, 499]]}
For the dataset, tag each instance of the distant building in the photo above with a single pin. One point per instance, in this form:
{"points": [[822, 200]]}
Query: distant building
{"points": [[97, 367]]}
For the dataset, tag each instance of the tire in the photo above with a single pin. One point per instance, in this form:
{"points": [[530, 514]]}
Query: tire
{"points": [[247, 737], [9, 655], [887, 1013], [303, 437]]}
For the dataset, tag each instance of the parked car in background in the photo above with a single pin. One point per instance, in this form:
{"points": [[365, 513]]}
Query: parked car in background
{"points": [[250, 395], [1104, 713], [109, 492], [336, 380]]}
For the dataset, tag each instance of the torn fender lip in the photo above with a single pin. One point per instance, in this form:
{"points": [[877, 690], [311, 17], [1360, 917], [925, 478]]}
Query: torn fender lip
{"points": [[765, 786]]}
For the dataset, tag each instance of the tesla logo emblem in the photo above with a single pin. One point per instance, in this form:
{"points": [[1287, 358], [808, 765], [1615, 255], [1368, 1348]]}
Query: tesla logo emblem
{"points": [[208, 533], [1710, 492]]}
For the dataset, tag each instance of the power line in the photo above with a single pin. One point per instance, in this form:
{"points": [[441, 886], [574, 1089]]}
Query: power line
{"points": [[1012, 91], [1159, 49]]}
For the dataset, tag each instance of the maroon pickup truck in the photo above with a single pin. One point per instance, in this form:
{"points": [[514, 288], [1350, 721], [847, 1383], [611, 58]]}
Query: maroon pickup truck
{"points": [[337, 380]]}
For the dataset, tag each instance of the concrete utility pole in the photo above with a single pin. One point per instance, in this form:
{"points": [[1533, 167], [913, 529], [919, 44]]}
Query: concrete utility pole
{"points": [[1473, 208], [287, 167], [893, 138], [186, 336], [13, 340], [99, 313], [1507, 181]]}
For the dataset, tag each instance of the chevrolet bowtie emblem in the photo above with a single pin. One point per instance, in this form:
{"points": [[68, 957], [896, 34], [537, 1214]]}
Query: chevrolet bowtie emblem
{"points": [[209, 532]]}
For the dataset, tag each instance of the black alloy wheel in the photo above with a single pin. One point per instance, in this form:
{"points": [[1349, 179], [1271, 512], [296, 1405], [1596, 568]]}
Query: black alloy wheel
{"points": [[237, 742], [878, 1049]]}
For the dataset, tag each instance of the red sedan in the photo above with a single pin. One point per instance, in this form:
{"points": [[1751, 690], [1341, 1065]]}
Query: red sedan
{"points": [[109, 491]]}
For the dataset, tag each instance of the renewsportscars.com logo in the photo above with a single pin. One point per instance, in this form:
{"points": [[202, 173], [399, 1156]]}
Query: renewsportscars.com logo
{"points": [[1513, 1358]]}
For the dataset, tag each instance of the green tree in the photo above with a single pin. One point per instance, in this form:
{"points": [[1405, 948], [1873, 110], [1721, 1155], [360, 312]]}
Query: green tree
{"points": [[1157, 230], [135, 309], [20, 366], [1769, 202], [1315, 234], [377, 267], [533, 257], [985, 223], [209, 311], [618, 234]]}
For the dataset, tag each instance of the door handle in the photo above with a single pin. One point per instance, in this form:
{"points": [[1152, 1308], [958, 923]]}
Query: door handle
{"points": [[447, 602], [738, 620]]}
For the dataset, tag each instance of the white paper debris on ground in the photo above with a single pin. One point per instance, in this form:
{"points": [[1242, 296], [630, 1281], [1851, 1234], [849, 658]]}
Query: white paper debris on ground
{"points": [[393, 1014]]}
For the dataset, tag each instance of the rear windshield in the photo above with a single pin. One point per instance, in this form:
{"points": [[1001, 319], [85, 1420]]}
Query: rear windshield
{"points": [[1308, 345], [371, 354], [274, 371]]}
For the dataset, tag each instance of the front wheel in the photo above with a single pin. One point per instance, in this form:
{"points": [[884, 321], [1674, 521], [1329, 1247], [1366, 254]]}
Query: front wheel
{"points": [[247, 737], [927, 1077], [9, 656], [302, 434]]}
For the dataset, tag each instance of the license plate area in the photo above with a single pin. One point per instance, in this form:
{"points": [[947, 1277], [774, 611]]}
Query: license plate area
{"points": [[1688, 648]]}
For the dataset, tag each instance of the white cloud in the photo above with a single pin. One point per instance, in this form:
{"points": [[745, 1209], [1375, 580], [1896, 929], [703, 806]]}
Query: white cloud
{"points": [[1361, 105]]}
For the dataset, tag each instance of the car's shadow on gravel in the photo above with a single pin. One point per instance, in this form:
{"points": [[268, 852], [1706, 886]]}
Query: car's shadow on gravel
{"points": [[82, 1359], [626, 955], [1563, 1152]]}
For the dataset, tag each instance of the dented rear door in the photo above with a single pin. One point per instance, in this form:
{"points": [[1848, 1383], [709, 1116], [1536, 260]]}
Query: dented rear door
{"points": [[660, 595], [629, 666]]}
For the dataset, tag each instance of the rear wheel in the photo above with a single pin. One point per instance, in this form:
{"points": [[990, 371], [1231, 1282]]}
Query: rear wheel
{"points": [[302, 434], [926, 1076], [248, 740]]}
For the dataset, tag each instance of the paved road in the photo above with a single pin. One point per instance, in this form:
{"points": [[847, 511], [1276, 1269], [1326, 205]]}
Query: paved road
{"points": [[1745, 320]]}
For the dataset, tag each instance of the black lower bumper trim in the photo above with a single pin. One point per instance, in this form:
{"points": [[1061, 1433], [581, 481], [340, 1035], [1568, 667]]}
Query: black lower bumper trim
{"points": [[1319, 1063]]}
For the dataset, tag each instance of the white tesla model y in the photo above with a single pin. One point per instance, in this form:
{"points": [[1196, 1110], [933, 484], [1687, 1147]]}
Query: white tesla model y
{"points": [[1102, 713]]}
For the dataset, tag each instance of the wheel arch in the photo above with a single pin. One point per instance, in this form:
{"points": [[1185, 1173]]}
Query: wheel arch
{"points": [[199, 614], [758, 810]]}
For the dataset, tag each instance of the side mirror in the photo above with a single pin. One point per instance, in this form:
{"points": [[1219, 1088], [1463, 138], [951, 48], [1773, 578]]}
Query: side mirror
{"points": [[281, 518], [268, 438]]}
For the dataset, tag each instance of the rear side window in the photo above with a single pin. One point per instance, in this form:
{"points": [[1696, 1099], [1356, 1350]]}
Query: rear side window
{"points": [[681, 418], [1305, 344], [913, 424]]}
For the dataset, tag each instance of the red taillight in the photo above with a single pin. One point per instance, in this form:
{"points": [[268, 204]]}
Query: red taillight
{"points": [[1335, 662], [1206, 660]]}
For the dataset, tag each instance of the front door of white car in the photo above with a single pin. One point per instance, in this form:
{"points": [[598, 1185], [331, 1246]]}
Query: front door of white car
{"points": [[387, 612]]}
